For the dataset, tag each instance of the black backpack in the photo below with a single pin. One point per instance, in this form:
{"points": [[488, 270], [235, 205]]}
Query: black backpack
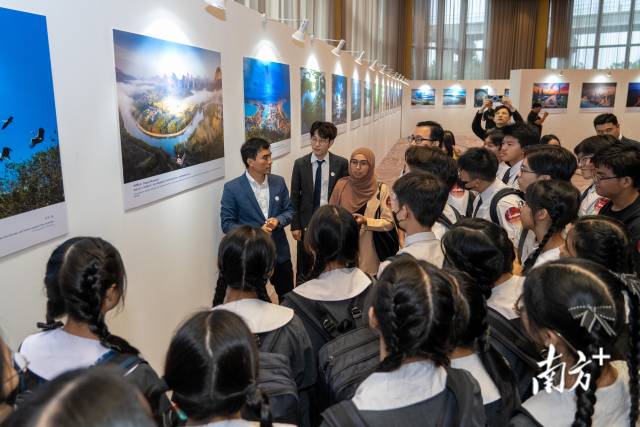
{"points": [[517, 348], [444, 220], [501, 194], [459, 407], [345, 362]]}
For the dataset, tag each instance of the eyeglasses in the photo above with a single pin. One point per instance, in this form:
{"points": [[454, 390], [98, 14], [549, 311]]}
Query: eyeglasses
{"points": [[598, 178], [524, 169], [418, 140], [360, 163], [21, 365], [317, 140]]}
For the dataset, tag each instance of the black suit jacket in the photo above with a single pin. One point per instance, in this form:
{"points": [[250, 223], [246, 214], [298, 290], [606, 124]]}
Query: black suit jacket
{"points": [[630, 141], [302, 186]]}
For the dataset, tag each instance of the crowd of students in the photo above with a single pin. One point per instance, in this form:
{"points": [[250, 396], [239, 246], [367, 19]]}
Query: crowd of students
{"points": [[481, 288]]}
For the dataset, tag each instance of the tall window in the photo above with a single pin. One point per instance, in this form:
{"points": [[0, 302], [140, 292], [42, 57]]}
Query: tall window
{"points": [[448, 39], [604, 34]]}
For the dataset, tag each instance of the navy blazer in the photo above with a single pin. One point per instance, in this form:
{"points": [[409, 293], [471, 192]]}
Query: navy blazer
{"points": [[239, 206]]}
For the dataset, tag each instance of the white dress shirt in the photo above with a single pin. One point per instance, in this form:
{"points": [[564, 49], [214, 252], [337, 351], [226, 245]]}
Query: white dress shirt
{"points": [[260, 316], [423, 246], [546, 256], [261, 191], [474, 366], [505, 295], [502, 168], [335, 285], [508, 210], [513, 175], [592, 203], [324, 188]]}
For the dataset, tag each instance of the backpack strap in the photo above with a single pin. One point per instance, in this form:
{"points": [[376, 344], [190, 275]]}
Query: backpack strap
{"points": [[585, 193], [442, 219], [510, 337], [313, 314], [456, 212], [127, 361], [458, 385], [343, 414], [521, 242], [501, 194]]}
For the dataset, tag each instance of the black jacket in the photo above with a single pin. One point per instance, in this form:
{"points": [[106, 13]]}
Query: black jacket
{"points": [[302, 186]]}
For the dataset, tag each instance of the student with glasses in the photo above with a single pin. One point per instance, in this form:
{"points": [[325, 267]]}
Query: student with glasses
{"points": [[591, 202], [617, 177], [312, 181], [362, 195], [426, 134]]}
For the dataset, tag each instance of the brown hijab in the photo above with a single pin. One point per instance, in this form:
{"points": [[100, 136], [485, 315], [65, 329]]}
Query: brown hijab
{"points": [[352, 193]]}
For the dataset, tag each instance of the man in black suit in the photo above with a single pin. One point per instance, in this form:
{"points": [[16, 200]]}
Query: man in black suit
{"points": [[607, 124], [312, 182]]}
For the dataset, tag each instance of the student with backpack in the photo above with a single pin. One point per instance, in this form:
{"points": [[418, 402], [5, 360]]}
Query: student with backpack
{"points": [[475, 354], [417, 200], [459, 200], [591, 202], [85, 279], [482, 250], [245, 260], [516, 138], [496, 201], [575, 309], [414, 310], [549, 206], [212, 369], [94, 397]]}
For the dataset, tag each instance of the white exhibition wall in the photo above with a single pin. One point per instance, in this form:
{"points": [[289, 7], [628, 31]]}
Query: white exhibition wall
{"points": [[170, 246], [454, 118], [573, 125]]}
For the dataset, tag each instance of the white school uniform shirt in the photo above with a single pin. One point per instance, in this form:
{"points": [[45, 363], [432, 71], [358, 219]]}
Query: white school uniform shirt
{"points": [[260, 316], [324, 186], [459, 199], [242, 423], [474, 366], [261, 191], [592, 203], [51, 353], [513, 175], [335, 285], [409, 384], [504, 296], [546, 256], [558, 409], [508, 210], [502, 168], [423, 246]]}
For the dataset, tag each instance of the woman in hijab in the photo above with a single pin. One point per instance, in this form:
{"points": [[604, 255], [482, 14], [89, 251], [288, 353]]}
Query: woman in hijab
{"points": [[367, 199]]}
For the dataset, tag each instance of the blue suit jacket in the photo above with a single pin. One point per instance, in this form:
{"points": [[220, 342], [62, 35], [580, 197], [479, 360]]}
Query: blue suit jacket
{"points": [[239, 206]]}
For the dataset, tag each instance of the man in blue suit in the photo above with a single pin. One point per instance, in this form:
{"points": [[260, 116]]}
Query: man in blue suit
{"points": [[260, 199]]}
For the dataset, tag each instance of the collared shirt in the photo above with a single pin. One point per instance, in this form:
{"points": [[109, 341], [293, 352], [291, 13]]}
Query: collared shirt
{"points": [[474, 366], [409, 384], [261, 191], [592, 203], [260, 316], [335, 285], [546, 256], [438, 228], [505, 295], [508, 210], [513, 175], [324, 189], [423, 246], [502, 168]]}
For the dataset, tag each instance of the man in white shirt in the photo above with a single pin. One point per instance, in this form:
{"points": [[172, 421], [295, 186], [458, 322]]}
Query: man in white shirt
{"points": [[516, 138], [477, 169], [417, 200]]}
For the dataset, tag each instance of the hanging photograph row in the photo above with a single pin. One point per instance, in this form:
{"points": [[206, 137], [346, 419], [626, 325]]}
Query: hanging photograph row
{"points": [[596, 97], [170, 116]]}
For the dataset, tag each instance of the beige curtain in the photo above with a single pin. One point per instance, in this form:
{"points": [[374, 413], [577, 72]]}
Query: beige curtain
{"points": [[560, 23], [511, 37]]}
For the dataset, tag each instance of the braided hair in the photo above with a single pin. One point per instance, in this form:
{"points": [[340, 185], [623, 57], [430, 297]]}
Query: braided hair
{"points": [[561, 200], [558, 286], [603, 240], [212, 367], [632, 290], [246, 258], [332, 235], [415, 305], [79, 274]]}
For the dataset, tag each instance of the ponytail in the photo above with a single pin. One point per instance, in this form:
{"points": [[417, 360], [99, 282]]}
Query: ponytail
{"points": [[258, 402]]}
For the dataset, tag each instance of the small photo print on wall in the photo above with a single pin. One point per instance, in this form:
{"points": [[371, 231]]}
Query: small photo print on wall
{"points": [[32, 200], [267, 103], [170, 116], [633, 97], [554, 97], [356, 103], [313, 100], [479, 95], [454, 96], [598, 97], [368, 104], [339, 102], [423, 98]]}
